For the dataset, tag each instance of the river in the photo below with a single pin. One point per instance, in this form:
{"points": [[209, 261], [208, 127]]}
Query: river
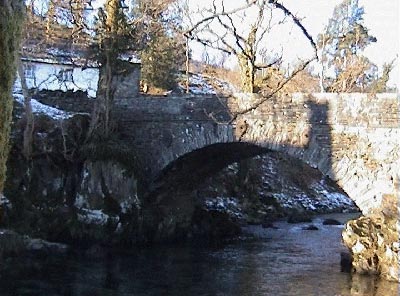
{"points": [[284, 261]]}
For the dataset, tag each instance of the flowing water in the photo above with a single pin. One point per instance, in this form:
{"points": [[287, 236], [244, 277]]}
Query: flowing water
{"points": [[284, 261]]}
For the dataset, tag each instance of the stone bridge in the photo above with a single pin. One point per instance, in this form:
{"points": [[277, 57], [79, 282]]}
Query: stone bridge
{"points": [[352, 138]]}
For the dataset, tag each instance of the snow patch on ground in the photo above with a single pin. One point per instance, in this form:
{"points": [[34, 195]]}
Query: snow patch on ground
{"points": [[331, 199], [198, 85], [5, 202], [80, 201], [323, 200], [204, 85], [93, 217], [229, 205], [130, 203], [39, 108]]}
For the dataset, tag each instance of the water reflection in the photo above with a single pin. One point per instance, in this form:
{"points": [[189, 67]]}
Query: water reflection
{"points": [[362, 285], [287, 261]]}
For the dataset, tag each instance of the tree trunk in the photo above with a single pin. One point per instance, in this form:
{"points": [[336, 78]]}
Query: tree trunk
{"points": [[247, 74], [50, 21], [109, 97], [187, 65], [322, 70], [100, 124], [28, 131], [11, 18]]}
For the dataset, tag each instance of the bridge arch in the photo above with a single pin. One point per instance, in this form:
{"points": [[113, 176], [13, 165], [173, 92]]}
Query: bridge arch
{"points": [[174, 193], [352, 138], [193, 167]]}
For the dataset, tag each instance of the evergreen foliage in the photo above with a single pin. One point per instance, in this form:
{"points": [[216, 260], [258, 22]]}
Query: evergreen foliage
{"points": [[112, 40], [11, 18], [161, 60], [111, 150], [162, 49], [346, 33], [113, 35], [342, 44]]}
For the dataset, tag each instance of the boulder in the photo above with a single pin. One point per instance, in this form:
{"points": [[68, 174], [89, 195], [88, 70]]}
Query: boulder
{"points": [[44, 247], [107, 185], [310, 227], [13, 243], [213, 226], [373, 241], [331, 222], [299, 217]]}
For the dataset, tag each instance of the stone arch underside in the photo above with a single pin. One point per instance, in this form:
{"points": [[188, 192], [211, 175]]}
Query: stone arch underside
{"points": [[173, 196], [187, 171]]}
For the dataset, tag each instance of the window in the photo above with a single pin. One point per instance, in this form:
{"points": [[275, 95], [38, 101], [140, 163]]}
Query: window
{"points": [[29, 71], [65, 75]]}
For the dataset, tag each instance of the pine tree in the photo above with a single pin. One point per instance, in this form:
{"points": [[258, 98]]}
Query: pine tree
{"points": [[161, 60], [341, 45], [11, 18], [112, 39], [163, 51]]}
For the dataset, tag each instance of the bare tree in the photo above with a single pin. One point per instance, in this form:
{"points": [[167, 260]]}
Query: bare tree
{"points": [[246, 46], [226, 30], [29, 118]]}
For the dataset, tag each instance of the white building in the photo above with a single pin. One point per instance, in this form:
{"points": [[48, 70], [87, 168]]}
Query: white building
{"points": [[62, 71], [53, 74]]}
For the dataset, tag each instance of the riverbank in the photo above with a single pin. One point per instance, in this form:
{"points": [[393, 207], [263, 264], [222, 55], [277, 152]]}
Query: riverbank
{"points": [[15, 244]]}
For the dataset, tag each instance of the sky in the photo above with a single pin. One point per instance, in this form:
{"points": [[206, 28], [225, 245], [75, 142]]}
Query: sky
{"points": [[381, 18]]}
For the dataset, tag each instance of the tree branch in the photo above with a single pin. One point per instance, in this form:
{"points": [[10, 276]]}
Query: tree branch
{"points": [[297, 22], [189, 32]]}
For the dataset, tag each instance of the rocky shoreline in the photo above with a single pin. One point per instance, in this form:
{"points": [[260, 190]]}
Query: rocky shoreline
{"points": [[13, 243]]}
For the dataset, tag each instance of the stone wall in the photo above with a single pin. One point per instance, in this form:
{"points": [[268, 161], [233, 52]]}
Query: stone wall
{"points": [[352, 138], [77, 101], [160, 129], [127, 83]]}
